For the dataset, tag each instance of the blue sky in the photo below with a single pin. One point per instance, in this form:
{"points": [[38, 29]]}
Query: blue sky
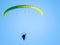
{"points": [[40, 30]]}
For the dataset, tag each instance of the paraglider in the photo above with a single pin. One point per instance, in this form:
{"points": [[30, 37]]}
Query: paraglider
{"points": [[24, 36], [23, 6]]}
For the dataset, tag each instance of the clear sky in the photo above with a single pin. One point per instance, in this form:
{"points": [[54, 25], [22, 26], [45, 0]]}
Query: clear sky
{"points": [[40, 30]]}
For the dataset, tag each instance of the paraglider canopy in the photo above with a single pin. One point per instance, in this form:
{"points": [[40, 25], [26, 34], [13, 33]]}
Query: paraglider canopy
{"points": [[23, 6]]}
